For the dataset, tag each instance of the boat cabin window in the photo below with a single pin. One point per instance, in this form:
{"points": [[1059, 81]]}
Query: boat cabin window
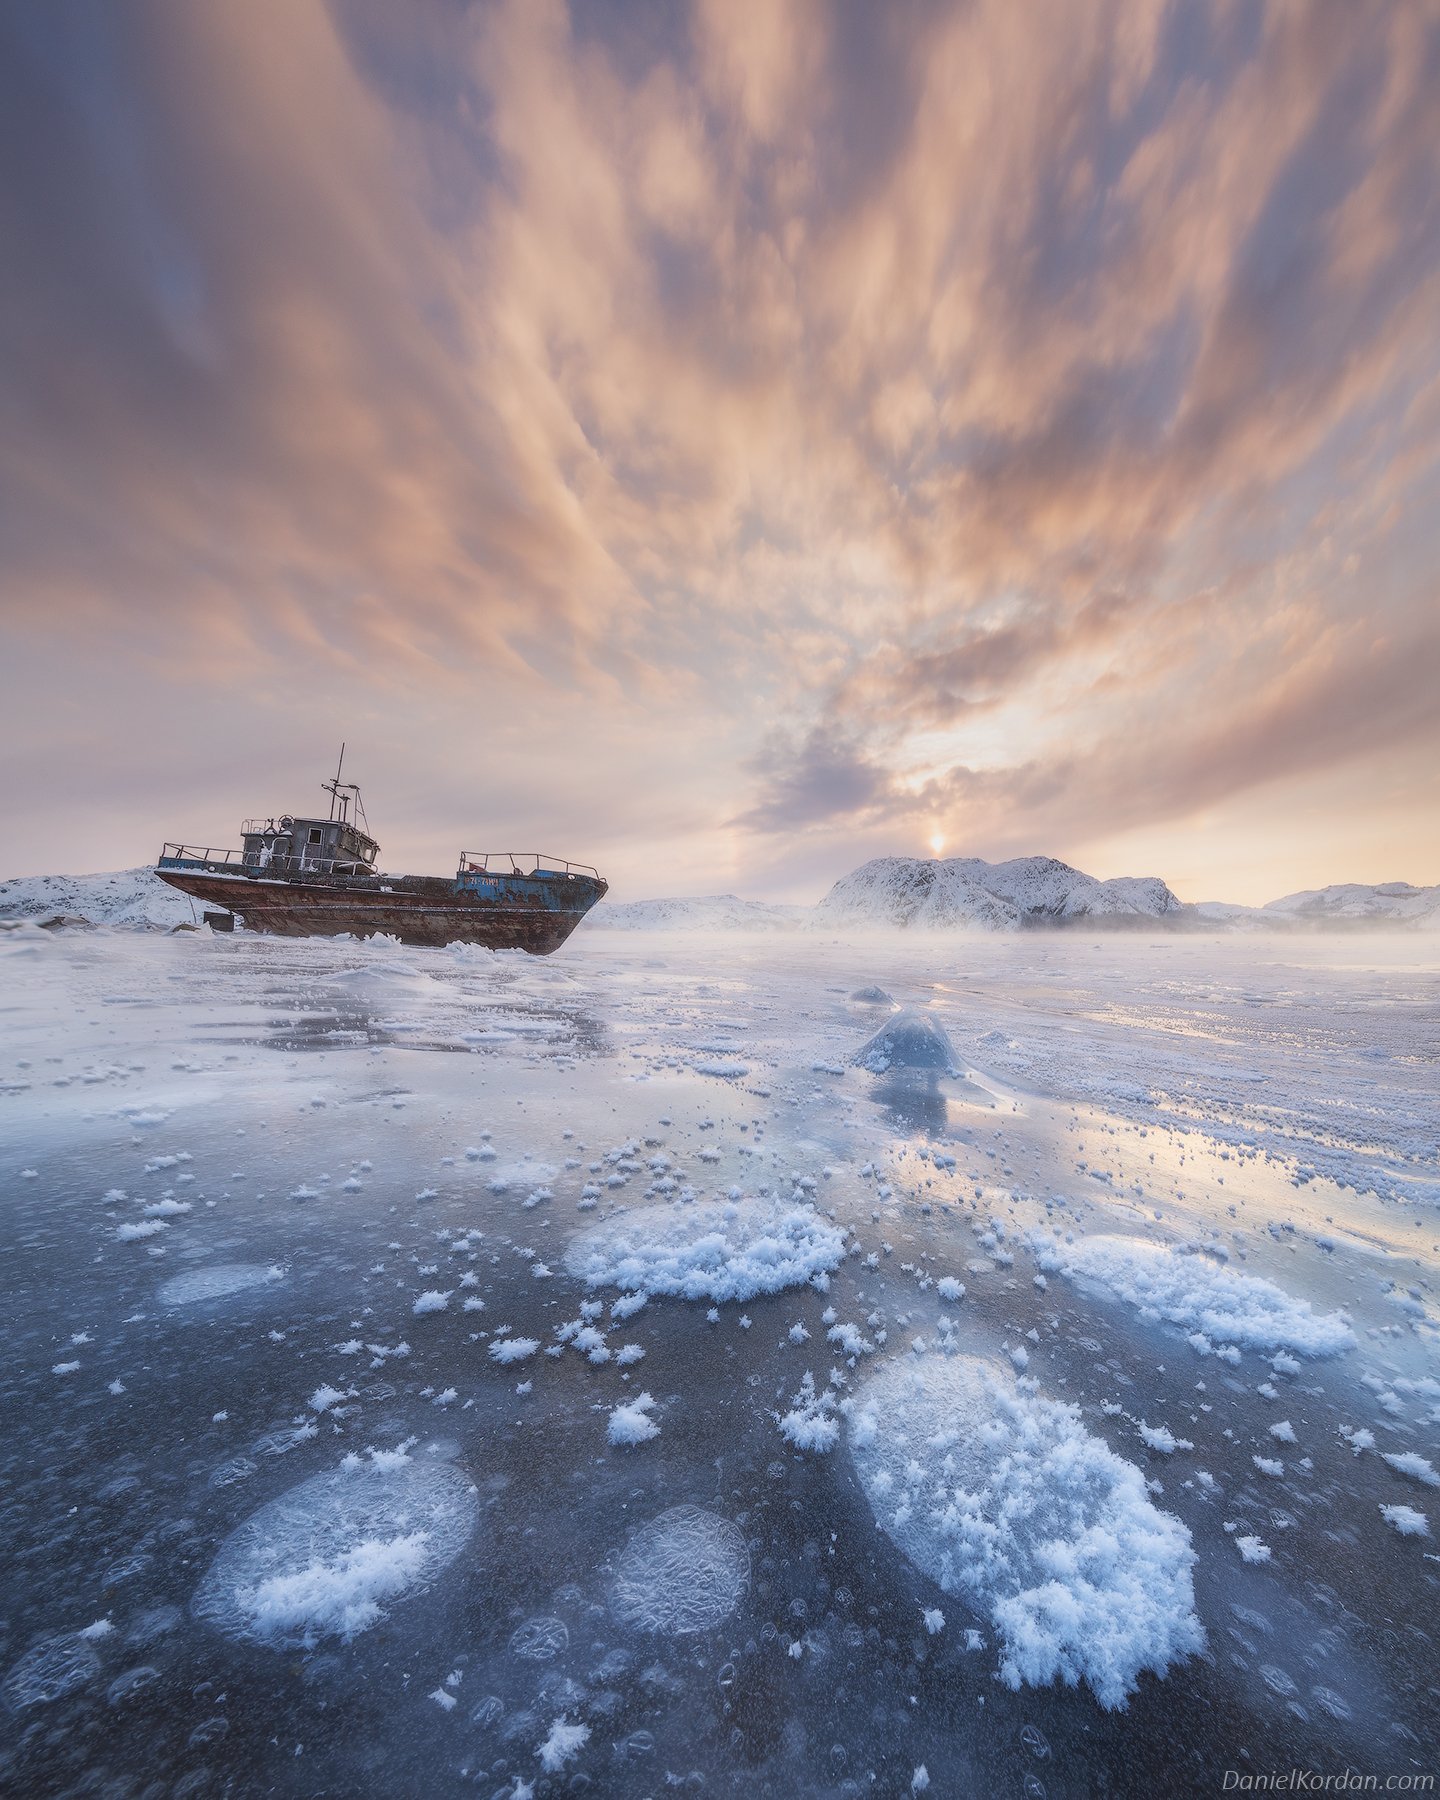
{"points": [[315, 836]]}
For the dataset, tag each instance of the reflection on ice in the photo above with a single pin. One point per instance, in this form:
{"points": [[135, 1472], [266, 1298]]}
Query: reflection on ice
{"points": [[914, 1103]]}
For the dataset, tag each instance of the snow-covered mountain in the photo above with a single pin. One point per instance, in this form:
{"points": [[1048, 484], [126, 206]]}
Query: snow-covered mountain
{"points": [[1349, 905], [1029, 890], [1392, 902]]}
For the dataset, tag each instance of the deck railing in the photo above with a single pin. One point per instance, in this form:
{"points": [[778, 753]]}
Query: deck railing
{"points": [[193, 853], [278, 868], [527, 864], [520, 862]]}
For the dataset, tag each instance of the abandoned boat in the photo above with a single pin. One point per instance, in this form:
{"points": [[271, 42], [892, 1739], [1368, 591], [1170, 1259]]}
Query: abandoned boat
{"points": [[302, 877]]}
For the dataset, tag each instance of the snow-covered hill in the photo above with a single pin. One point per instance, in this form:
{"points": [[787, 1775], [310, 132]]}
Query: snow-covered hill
{"points": [[1351, 905], [134, 897], [1029, 890], [1392, 902]]}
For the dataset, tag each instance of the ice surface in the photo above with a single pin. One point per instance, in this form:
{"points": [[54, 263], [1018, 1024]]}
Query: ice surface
{"points": [[684, 1572], [1003, 1498], [1273, 1102], [326, 1558], [1199, 1295], [711, 1250]]}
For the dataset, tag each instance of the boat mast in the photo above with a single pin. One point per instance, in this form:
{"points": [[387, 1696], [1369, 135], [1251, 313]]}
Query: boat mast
{"points": [[332, 787]]}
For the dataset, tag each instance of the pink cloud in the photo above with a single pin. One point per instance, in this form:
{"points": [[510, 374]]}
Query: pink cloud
{"points": [[792, 388]]}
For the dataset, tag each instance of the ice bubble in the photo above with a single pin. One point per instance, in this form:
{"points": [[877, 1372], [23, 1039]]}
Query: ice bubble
{"points": [[910, 1040], [54, 1667], [125, 1686], [154, 1623], [1330, 1702], [685, 1571], [320, 1560], [216, 1282], [712, 1250], [540, 1639], [1002, 1497]]}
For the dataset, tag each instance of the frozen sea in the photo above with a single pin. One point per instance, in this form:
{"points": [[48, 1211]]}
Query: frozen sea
{"points": [[743, 1366]]}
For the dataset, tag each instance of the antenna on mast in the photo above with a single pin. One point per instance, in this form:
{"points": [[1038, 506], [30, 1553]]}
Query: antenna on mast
{"points": [[332, 787]]}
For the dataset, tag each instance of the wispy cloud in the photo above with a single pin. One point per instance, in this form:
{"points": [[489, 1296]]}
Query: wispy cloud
{"points": [[845, 422]]}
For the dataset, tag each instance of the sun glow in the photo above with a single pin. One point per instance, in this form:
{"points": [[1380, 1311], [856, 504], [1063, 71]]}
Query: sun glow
{"points": [[937, 842]]}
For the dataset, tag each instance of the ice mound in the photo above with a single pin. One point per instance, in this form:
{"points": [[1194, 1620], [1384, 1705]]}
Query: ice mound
{"points": [[382, 975], [322, 1559], [216, 1282], [1004, 1499], [1198, 1295], [910, 1040], [49, 1670], [685, 1571], [712, 1250]]}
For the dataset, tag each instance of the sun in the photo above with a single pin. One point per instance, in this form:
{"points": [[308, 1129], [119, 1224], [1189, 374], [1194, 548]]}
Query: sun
{"points": [[937, 842]]}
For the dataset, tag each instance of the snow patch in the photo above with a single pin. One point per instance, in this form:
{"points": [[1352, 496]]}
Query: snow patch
{"points": [[1197, 1294], [630, 1425], [1408, 1462], [811, 1423], [711, 1250], [324, 1559], [1001, 1496]]}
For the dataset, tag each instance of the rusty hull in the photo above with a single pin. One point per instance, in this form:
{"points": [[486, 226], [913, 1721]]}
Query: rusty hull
{"points": [[418, 909]]}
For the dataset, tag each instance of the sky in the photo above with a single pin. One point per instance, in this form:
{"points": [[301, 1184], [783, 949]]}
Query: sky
{"points": [[725, 442]]}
